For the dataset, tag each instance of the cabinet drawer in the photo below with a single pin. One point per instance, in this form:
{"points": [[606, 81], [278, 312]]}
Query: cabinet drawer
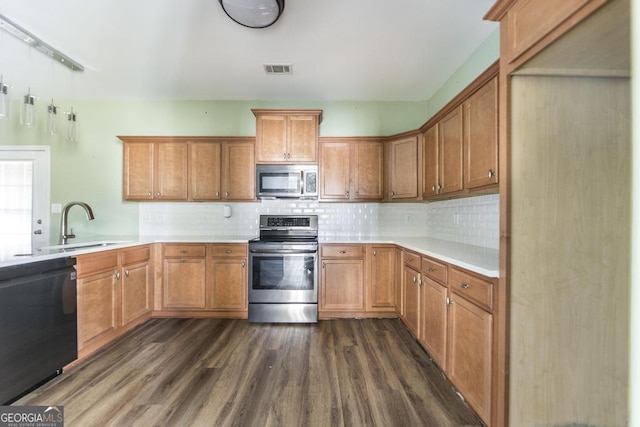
{"points": [[435, 270], [472, 288], [136, 255], [238, 250], [89, 264], [342, 251], [184, 251], [411, 259]]}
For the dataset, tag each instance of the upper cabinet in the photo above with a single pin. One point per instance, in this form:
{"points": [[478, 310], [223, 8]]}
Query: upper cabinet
{"points": [[351, 169], [460, 143], [284, 136], [188, 168], [154, 169], [481, 136], [403, 153]]}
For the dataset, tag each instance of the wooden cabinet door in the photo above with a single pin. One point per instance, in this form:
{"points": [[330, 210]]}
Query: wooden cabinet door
{"points": [[430, 166], [138, 165], [404, 168], [238, 179], [135, 292], [481, 136], [469, 353], [411, 300], [367, 170], [451, 143], [434, 320], [228, 290], [334, 170], [97, 308], [184, 283], [381, 294], [171, 177], [342, 285], [302, 138], [271, 138], [204, 170]]}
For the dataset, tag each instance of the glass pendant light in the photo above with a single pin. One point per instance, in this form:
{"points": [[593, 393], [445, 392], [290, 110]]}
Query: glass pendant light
{"points": [[52, 116], [27, 116], [253, 13], [4, 99], [72, 126]]}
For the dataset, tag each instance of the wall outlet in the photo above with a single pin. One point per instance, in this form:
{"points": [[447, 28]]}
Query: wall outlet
{"points": [[56, 207]]}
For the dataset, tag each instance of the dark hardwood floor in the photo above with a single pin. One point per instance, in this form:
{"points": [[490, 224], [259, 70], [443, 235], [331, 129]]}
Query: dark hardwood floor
{"points": [[211, 372]]}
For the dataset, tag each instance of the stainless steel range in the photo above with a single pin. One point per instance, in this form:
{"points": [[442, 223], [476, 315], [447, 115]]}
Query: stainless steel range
{"points": [[283, 265]]}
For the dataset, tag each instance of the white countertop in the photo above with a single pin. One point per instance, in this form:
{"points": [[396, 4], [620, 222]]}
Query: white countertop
{"points": [[481, 260], [475, 258]]}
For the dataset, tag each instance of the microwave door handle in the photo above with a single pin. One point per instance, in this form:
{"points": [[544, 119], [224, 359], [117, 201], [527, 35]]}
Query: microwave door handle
{"points": [[302, 181]]}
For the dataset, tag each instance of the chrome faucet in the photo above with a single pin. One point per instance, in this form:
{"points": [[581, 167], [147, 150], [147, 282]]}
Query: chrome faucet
{"points": [[64, 235]]}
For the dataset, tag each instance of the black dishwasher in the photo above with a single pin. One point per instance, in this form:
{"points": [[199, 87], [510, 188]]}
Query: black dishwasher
{"points": [[38, 324]]}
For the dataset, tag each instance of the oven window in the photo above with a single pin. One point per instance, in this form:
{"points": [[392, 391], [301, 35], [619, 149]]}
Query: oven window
{"points": [[280, 182], [286, 272]]}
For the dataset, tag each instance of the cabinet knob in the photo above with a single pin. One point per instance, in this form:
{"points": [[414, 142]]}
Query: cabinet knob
{"points": [[347, 194], [288, 156], [117, 275], [226, 194], [464, 286], [217, 194], [393, 193], [323, 265], [439, 187], [491, 173], [126, 273], [414, 279], [449, 302], [431, 269], [375, 253], [228, 251], [158, 194], [243, 263], [343, 252], [433, 188], [284, 156], [149, 194]]}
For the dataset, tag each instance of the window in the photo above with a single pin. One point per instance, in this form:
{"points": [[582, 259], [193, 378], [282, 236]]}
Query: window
{"points": [[24, 196]]}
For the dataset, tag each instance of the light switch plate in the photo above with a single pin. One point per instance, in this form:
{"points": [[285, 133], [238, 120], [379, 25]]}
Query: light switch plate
{"points": [[56, 207]]}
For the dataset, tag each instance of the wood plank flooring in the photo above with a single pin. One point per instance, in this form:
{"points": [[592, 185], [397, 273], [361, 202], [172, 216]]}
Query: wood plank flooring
{"points": [[214, 372]]}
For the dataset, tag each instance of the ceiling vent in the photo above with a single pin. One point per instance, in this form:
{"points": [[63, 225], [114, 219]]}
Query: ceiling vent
{"points": [[277, 69]]}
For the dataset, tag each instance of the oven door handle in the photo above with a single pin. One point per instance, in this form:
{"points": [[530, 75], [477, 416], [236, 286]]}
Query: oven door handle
{"points": [[283, 251]]}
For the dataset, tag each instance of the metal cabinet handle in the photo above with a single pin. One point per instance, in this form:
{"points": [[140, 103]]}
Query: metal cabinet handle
{"points": [[410, 259], [491, 173], [343, 252], [433, 188], [228, 251], [243, 263], [126, 273], [448, 301], [464, 286], [431, 269]]}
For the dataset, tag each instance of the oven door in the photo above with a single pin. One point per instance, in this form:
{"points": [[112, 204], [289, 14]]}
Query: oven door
{"points": [[283, 276]]}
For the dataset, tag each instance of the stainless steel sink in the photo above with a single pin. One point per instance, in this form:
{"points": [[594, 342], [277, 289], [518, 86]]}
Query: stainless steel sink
{"points": [[85, 245]]}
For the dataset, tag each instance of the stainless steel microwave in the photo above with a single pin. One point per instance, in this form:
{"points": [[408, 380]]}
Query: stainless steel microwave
{"points": [[287, 181]]}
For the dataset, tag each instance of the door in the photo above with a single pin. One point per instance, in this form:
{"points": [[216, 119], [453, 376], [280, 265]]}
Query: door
{"points": [[171, 177], [135, 292], [404, 168], [431, 170], [411, 300], [238, 179], [302, 138], [342, 285], [367, 170], [97, 302], [204, 170], [184, 283], [138, 171], [228, 289], [451, 143], [334, 170], [382, 291], [434, 321]]}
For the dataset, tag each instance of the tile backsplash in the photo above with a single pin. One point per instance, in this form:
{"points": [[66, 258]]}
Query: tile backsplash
{"points": [[473, 220]]}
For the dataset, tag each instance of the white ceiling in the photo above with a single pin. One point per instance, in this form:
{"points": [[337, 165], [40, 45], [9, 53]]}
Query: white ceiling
{"points": [[189, 49]]}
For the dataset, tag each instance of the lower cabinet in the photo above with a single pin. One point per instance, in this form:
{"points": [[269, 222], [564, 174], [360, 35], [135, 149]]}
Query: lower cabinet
{"points": [[204, 280], [411, 292], [358, 281], [433, 325], [114, 295], [342, 278]]}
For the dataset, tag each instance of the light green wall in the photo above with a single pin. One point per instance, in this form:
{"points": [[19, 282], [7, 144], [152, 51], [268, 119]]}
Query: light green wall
{"points": [[91, 170]]}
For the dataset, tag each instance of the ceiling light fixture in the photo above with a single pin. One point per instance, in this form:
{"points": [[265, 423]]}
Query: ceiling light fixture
{"points": [[253, 13], [27, 116], [33, 41], [4, 99]]}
